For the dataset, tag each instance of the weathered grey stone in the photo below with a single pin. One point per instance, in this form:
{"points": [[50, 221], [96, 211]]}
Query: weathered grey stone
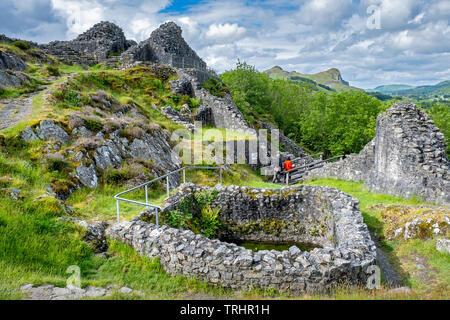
{"points": [[398, 169], [355, 167], [11, 62], [11, 79], [443, 245], [48, 130], [87, 176], [92, 47], [28, 134], [236, 267]]}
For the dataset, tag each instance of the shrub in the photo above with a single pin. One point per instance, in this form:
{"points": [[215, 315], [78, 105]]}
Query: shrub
{"points": [[133, 132], [215, 87], [193, 103], [55, 162], [53, 71], [177, 219], [68, 96], [93, 124], [209, 222], [23, 45]]}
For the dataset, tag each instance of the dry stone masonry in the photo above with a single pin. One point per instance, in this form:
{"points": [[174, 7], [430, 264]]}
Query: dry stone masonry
{"points": [[344, 257], [410, 158], [94, 46], [407, 158], [166, 46]]}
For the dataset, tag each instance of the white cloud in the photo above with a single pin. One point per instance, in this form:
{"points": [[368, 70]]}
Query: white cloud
{"points": [[412, 45], [225, 32]]}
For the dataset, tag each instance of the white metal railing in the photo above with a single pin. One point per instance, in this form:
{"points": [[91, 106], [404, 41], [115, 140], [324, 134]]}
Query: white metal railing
{"points": [[156, 208]]}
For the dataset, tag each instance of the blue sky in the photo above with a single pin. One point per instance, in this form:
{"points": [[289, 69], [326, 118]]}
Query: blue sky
{"points": [[410, 45]]}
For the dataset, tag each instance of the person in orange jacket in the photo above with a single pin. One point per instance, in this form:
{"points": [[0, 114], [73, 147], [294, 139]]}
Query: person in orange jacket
{"points": [[288, 166]]}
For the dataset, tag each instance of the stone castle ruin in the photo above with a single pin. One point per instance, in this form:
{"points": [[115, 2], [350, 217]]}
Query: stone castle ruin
{"points": [[407, 158], [324, 217]]}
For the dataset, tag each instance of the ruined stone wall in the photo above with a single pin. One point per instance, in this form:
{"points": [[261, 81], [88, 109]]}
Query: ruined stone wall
{"points": [[410, 158], [406, 158], [181, 252], [166, 46], [355, 167], [92, 47]]}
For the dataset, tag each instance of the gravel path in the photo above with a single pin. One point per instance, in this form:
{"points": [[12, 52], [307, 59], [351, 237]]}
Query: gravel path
{"points": [[13, 110]]}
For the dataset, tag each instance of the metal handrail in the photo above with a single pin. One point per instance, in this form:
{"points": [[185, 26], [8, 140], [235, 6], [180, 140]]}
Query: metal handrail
{"points": [[145, 185]]}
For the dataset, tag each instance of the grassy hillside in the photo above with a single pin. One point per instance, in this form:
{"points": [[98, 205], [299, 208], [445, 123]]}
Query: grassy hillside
{"points": [[329, 80], [334, 123]]}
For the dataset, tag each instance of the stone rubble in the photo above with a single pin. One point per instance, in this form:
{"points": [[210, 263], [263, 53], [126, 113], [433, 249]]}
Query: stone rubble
{"points": [[50, 292]]}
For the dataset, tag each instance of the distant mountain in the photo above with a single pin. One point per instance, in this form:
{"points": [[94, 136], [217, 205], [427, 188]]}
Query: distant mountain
{"points": [[329, 80], [440, 89], [390, 89]]}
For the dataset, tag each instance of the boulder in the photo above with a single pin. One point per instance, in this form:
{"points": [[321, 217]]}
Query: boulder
{"points": [[48, 130], [12, 79], [28, 134], [87, 176], [11, 62], [443, 245]]}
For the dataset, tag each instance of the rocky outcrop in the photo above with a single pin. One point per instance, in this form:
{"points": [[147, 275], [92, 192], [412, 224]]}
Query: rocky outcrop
{"points": [[410, 158], [48, 130], [94, 46], [166, 46], [11, 62], [11, 79], [344, 260], [10, 71]]}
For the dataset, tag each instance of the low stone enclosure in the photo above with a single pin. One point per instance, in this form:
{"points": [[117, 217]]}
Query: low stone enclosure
{"points": [[324, 217]]}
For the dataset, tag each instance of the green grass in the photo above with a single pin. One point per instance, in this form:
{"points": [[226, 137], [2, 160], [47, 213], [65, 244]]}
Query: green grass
{"points": [[400, 252]]}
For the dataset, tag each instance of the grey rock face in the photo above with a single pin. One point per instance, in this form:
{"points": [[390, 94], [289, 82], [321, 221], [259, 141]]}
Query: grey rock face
{"points": [[410, 158], [182, 252], [48, 130], [11, 79], [11, 62], [167, 46], [182, 87], [91, 47], [443, 245], [107, 155], [87, 176], [28, 134]]}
